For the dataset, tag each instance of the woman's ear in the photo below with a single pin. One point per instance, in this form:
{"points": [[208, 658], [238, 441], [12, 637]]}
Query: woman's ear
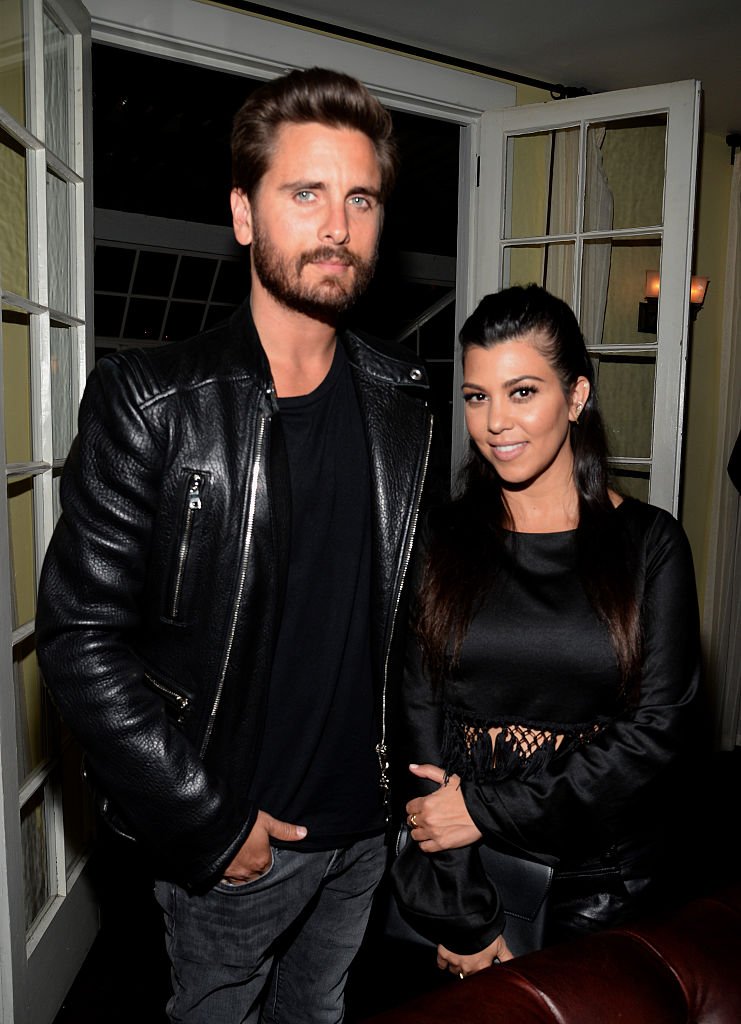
{"points": [[579, 395]]}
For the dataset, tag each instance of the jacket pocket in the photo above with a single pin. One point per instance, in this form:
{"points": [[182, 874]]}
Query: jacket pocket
{"points": [[185, 550], [177, 704]]}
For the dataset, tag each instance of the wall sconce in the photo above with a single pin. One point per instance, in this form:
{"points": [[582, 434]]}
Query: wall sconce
{"points": [[648, 309]]}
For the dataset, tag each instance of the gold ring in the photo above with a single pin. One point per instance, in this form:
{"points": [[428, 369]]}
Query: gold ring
{"points": [[413, 820]]}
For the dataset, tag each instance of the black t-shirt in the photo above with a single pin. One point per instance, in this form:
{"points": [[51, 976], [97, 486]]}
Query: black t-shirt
{"points": [[318, 765]]}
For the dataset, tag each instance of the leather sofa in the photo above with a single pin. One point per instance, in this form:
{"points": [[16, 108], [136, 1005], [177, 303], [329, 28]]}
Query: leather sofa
{"points": [[681, 967]]}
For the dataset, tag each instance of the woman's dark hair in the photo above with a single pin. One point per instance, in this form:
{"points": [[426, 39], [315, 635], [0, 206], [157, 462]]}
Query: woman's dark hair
{"points": [[466, 539], [302, 97]]}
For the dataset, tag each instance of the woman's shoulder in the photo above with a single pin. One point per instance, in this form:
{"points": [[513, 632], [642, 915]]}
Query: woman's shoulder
{"points": [[651, 525]]}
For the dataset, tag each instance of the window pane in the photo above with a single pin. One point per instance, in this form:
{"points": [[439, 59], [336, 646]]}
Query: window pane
{"points": [[195, 277], [17, 385], [57, 89], [36, 868], [13, 218], [58, 212], [144, 319], [613, 286], [231, 282], [542, 178], [31, 705], [63, 404], [633, 157], [626, 393], [154, 273], [551, 266], [13, 64], [22, 549], [109, 315], [632, 483], [183, 320], [113, 268]]}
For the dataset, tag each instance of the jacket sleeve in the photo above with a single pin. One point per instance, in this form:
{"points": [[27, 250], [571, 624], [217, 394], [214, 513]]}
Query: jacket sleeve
{"points": [[88, 619], [627, 772], [447, 896]]}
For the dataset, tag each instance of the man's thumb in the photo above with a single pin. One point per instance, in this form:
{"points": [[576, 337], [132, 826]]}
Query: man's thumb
{"points": [[285, 831]]}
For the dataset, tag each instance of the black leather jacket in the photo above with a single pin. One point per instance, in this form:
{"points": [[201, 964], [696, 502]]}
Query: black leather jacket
{"points": [[161, 590]]}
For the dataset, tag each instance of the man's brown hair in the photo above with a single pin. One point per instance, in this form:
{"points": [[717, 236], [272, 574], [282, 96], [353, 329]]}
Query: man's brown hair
{"points": [[300, 97]]}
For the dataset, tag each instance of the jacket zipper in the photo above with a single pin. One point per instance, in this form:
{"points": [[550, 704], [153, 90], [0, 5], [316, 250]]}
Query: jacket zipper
{"points": [[251, 501], [167, 693], [193, 507], [381, 747]]}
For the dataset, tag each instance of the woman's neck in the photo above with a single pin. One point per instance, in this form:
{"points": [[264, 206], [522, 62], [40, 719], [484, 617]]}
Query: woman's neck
{"points": [[543, 513]]}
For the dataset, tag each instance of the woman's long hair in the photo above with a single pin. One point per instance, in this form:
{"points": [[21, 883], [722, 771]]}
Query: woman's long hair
{"points": [[465, 542]]}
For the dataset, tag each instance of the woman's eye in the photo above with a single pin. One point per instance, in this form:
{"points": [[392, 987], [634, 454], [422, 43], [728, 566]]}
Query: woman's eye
{"points": [[523, 393], [474, 397]]}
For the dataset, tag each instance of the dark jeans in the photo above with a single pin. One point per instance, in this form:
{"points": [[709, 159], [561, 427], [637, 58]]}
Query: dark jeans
{"points": [[274, 950]]}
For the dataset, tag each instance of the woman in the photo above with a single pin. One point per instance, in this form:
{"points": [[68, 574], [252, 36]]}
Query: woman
{"points": [[552, 691]]}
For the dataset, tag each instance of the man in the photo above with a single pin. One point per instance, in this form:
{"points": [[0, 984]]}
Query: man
{"points": [[220, 604]]}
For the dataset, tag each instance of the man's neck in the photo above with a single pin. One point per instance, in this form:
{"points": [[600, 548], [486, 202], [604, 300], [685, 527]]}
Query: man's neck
{"points": [[299, 348]]}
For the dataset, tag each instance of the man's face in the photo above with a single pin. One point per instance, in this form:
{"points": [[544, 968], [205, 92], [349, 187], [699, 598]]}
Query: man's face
{"points": [[315, 219]]}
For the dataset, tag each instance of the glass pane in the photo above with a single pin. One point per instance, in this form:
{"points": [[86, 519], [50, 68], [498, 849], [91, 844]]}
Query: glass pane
{"points": [[632, 162], [613, 286], [183, 320], [36, 867], [109, 315], [437, 337], [13, 63], [77, 810], [195, 277], [231, 282], [154, 273], [144, 319], [542, 178], [13, 217], [63, 404], [113, 268], [631, 483], [31, 709], [217, 314], [58, 212], [626, 395], [58, 90], [17, 385], [22, 549], [551, 266]]}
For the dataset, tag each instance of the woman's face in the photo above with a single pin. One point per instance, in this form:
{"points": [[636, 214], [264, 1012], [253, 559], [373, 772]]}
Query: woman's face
{"points": [[517, 413]]}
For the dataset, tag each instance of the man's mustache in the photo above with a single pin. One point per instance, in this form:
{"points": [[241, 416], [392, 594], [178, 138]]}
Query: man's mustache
{"points": [[327, 253]]}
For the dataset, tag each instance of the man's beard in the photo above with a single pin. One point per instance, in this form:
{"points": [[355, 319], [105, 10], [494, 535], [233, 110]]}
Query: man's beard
{"points": [[323, 300]]}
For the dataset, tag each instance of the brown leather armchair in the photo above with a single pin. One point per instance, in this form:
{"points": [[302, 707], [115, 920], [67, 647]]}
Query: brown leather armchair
{"points": [[681, 967]]}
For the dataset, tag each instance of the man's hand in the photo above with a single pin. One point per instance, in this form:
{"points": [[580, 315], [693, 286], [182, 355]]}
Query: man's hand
{"points": [[254, 857], [462, 965], [441, 820]]}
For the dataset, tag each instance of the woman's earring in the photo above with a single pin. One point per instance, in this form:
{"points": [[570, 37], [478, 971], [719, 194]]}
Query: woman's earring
{"points": [[579, 407]]}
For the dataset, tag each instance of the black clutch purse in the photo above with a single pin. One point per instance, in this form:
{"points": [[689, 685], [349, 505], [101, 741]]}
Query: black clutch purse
{"points": [[523, 886]]}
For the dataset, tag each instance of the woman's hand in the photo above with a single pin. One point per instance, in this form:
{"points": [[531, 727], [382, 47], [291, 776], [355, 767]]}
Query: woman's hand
{"points": [[441, 820], [463, 965]]}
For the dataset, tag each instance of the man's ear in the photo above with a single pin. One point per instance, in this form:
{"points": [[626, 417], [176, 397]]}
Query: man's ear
{"points": [[241, 216]]}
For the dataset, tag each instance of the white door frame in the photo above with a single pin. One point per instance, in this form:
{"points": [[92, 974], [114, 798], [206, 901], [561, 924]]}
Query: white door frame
{"points": [[680, 101]]}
